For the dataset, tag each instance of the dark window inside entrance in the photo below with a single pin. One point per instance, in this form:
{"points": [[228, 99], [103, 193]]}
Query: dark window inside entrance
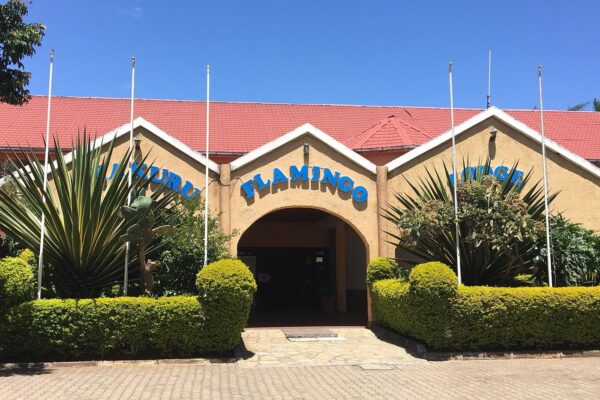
{"points": [[309, 268], [291, 278]]}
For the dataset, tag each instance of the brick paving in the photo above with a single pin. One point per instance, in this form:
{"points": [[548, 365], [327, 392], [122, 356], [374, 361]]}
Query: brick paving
{"points": [[358, 367], [573, 378]]}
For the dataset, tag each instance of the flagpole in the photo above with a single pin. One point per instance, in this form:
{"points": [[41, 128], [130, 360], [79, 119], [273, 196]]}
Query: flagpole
{"points": [[455, 181], [206, 165], [46, 151], [545, 172], [489, 92], [129, 177]]}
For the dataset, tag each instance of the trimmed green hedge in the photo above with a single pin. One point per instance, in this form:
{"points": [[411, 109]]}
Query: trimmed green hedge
{"points": [[433, 309], [226, 289], [16, 282], [128, 327], [382, 268], [110, 327]]}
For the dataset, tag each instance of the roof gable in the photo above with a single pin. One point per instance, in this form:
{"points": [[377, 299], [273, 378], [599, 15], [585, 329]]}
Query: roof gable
{"points": [[508, 120], [151, 128], [305, 129]]}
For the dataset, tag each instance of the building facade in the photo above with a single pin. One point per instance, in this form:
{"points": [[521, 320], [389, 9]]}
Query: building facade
{"points": [[305, 208]]}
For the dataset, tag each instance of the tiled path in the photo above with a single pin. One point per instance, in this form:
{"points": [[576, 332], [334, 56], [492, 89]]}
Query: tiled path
{"points": [[353, 346]]}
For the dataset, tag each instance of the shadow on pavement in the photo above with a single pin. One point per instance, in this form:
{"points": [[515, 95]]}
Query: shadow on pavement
{"points": [[23, 369], [242, 353], [411, 346]]}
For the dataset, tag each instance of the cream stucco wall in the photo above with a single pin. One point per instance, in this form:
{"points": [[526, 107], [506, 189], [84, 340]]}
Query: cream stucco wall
{"points": [[362, 217], [579, 190], [164, 155]]}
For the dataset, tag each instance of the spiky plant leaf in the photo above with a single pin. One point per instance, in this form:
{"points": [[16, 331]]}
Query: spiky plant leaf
{"points": [[83, 220], [425, 218]]}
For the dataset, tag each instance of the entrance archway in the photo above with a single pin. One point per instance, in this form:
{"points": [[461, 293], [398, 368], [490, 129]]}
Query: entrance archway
{"points": [[310, 268]]}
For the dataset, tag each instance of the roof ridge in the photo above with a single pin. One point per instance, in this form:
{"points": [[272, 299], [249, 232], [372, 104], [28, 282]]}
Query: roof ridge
{"points": [[374, 128], [261, 102], [405, 136], [310, 104]]}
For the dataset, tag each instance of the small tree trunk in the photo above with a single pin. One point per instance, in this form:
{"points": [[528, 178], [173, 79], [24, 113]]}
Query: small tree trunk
{"points": [[143, 270]]}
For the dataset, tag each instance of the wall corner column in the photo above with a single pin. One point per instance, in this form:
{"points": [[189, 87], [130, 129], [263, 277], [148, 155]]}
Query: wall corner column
{"points": [[382, 182], [225, 197]]}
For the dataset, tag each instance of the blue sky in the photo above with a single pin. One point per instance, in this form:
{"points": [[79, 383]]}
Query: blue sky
{"points": [[339, 52]]}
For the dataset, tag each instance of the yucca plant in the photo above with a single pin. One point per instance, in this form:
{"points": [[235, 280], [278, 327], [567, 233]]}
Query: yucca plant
{"points": [[499, 223], [82, 210]]}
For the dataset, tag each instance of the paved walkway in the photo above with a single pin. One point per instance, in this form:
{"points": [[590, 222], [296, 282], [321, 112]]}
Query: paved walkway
{"points": [[352, 346], [355, 366]]}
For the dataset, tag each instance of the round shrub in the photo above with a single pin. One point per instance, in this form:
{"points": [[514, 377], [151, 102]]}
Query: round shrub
{"points": [[382, 268], [433, 279], [28, 256], [226, 278], [225, 290], [16, 281]]}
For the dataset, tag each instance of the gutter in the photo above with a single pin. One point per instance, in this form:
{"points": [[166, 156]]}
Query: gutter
{"points": [[390, 148]]}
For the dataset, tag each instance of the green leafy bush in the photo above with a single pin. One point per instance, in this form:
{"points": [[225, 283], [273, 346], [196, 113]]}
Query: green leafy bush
{"points": [[128, 327], [500, 223], [505, 318], [526, 280], [432, 309], [16, 282], [575, 254], [226, 288], [104, 328], [182, 252], [433, 279], [28, 256], [9, 247], [382, 268]]}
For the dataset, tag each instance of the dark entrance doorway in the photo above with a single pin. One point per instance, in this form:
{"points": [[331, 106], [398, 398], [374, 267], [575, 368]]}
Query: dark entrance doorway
{"points": [[309, 268]]}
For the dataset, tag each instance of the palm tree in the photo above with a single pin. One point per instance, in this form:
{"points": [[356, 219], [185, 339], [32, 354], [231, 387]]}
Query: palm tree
{"points": [[582, 106]]}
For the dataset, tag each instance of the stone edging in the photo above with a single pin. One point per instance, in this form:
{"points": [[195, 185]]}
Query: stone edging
{"points": [[420, 350], [111, 363]]}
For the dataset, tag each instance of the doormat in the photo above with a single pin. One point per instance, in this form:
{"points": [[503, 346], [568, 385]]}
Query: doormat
{"points": [[309, 334]]}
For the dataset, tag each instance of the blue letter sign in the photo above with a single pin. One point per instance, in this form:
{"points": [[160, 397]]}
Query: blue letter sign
{"points": [[501, 172], [161, 176], [345, 184]]}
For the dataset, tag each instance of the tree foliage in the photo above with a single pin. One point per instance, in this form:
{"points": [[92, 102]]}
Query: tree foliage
{"points": [[595, 105], [9, 246], [575, 254], [183, 251], [499, 224], [17, 40]]}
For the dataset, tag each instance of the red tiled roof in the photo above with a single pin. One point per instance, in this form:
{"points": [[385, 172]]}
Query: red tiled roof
{"points": [[242, 127]]}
